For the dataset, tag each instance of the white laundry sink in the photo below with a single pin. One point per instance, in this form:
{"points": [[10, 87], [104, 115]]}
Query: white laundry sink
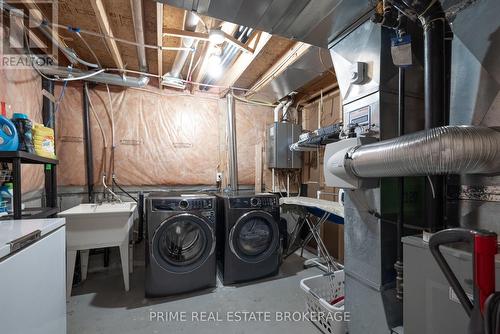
{"points": [[104, 208], [98, 225], [91, 226]]}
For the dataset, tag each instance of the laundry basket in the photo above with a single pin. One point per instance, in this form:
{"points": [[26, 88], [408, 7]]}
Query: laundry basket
{"points": [[319, 292]]}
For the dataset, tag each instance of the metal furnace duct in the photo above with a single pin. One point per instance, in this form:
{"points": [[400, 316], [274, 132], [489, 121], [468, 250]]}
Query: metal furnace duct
{"points": [[104, 78], [316, 22], [232, 146], [182, 55], [443, 150], [137, 18]]}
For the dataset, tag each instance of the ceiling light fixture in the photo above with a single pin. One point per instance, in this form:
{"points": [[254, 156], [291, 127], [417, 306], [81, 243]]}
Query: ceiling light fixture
{"points": [[216, 36], [214, 66]]}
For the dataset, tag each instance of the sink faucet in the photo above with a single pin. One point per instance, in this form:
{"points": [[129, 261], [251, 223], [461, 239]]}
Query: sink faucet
{"points": [[109, 195]]}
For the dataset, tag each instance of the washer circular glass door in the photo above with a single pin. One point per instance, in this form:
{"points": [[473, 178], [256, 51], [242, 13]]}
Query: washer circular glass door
{"points": [[254, 237], [183, 243]]}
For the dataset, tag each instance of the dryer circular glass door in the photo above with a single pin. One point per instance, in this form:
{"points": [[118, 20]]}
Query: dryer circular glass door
{"points": [[183, 243], [254, 237]]}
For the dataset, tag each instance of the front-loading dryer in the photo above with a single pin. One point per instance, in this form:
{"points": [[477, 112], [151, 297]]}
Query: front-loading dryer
{"points": [[180, 245], [248, 236]]}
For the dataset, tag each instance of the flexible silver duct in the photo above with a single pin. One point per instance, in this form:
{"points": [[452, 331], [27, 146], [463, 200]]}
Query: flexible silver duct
{"points": [[443, 150], [104, 78]]}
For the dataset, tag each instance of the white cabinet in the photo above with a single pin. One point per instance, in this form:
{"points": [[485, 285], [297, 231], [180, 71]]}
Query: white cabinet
{"points": [[32, 279]]}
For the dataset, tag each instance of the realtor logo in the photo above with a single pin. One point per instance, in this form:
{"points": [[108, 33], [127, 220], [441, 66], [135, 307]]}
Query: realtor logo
{"points": [[28, 29]]}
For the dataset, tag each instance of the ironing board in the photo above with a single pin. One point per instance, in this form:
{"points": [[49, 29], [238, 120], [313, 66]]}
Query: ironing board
{"points": [[326, 211]]}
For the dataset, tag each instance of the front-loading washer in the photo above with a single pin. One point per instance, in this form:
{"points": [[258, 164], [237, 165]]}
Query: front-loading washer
{"points": [[180, 243]]}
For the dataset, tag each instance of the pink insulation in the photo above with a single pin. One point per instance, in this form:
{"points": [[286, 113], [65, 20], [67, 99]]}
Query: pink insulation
{"points": [[21, 89], [161, 137]]}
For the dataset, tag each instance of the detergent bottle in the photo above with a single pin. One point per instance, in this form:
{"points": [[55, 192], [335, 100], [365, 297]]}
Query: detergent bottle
{"points": [[6, 195], [9, 140], [24, 128]]}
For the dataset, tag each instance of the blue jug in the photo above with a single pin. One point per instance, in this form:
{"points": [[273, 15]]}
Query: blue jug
{"points": [[8, 135]]}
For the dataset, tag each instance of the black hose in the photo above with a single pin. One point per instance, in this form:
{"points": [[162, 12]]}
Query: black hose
{"points": [[124, 191], [492, 314]]}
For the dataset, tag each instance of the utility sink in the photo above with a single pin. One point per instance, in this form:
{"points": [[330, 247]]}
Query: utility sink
{"points": [[90, 226], [104, 208]]}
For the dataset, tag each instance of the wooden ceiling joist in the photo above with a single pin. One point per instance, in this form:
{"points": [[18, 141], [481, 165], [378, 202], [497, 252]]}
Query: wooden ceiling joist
{"points": [[205, 37], [257, 42], [159, 39], [35, 10], [105, 26], [185, 33], [231, 40], [228, 29]]}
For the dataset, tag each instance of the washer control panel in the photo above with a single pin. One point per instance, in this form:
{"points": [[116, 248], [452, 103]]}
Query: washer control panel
{"points": [[182, 204]]}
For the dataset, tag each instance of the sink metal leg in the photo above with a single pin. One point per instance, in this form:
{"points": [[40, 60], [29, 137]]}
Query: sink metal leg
{"points": [[84, 263], [124, 259], [70, 270], [106, 257]]}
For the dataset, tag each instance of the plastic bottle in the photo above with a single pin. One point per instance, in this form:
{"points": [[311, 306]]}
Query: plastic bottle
{"points": [[25, 135], [9, 140], [6, 194]]}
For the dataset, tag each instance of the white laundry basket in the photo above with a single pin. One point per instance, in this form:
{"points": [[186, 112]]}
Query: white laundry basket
{"points": [[319, 291]]}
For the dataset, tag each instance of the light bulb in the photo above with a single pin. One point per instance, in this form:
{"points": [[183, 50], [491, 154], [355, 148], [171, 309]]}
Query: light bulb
{"points": [[216, 36], [214, 66]]}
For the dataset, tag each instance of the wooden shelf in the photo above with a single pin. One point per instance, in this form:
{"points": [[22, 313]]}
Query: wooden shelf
{"points": [[27, 158], [17, 159]]}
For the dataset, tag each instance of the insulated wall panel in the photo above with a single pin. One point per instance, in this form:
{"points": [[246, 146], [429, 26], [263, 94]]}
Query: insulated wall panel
{"points": [[21, 89], [161, 137]]}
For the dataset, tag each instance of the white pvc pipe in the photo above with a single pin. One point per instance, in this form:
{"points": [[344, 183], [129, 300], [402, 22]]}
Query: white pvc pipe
{"points": [[273, 189], [277, 110]]}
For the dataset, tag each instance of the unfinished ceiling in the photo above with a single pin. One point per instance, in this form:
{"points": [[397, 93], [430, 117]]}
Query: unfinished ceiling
{"points": [[164, 25]]}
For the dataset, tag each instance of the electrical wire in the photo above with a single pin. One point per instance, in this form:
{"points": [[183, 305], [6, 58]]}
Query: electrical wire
{"points": [[322, 63], [432, 186], [81, 77], [58, 102], [69, 53], [190, 66], [88, 75], [89, 48], [121, 40], [113, 143]]}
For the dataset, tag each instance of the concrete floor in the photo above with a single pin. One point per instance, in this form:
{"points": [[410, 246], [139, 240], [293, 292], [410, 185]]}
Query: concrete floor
{"points": [[101, 305]]}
